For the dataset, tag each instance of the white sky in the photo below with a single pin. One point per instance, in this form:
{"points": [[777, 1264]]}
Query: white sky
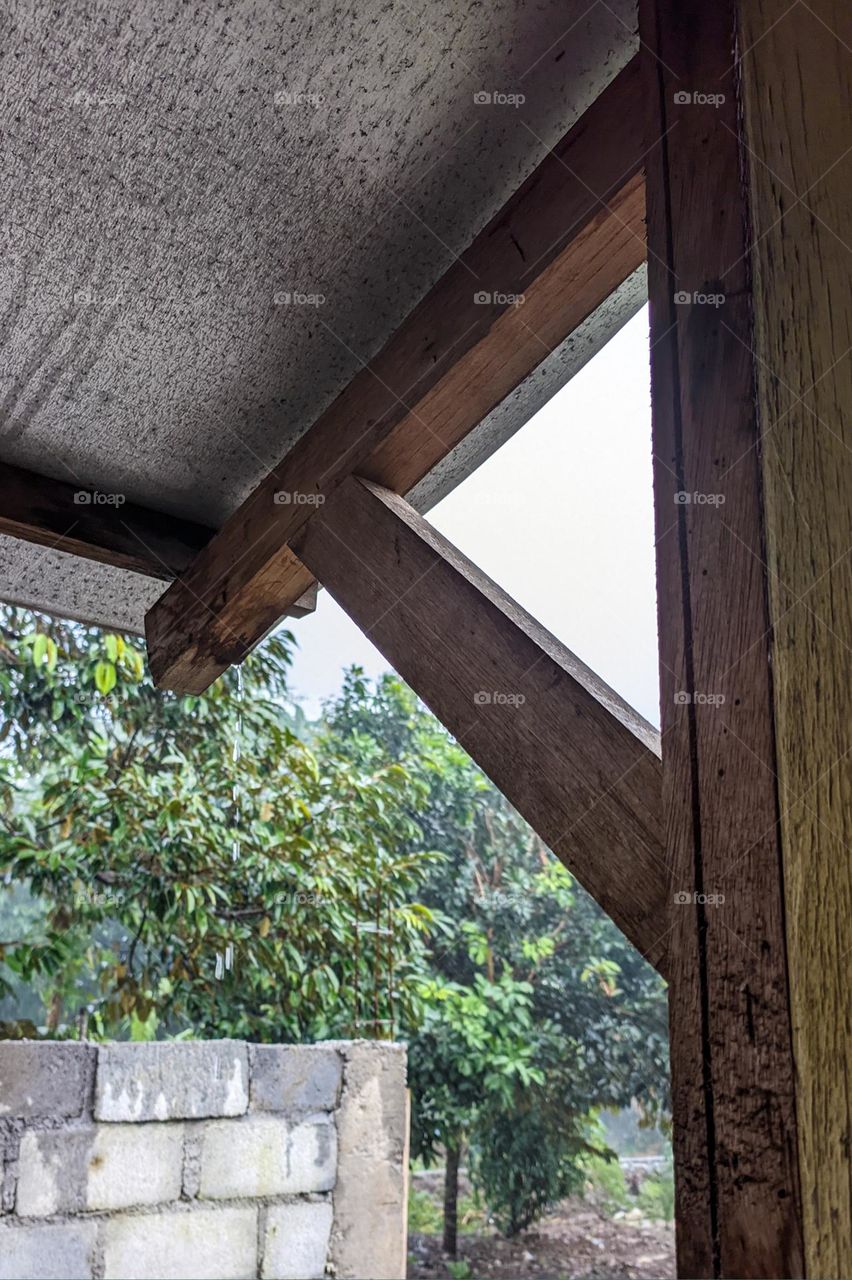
{"points": [[562, 518]]}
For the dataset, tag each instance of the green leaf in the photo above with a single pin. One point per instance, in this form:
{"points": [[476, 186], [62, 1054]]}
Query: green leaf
{"points": [[105, 677]]}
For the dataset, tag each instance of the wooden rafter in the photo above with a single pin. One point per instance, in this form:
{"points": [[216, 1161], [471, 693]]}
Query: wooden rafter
{"points": [[567, 239], [73, 518], [79, 521], [575, 760]]}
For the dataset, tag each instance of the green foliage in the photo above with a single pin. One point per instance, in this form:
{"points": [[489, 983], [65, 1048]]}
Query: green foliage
{"points": [[526, 1158], [424, 1215], [656, 1195], [215, 865], [537, 1010], [192, 858], [605, 1183]]}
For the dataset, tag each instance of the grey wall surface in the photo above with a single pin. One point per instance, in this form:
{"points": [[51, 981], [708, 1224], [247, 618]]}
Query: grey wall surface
{"points": [[204, 1160]]}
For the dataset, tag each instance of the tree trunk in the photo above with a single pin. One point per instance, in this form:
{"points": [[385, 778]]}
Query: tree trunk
{"points": [[451, 1200]]}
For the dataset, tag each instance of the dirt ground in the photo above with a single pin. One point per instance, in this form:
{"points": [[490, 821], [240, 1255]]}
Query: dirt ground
{"points": [[575, 1241]]}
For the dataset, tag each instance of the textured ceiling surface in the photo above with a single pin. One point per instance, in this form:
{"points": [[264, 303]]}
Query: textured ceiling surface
{"points": [[214, 214]]}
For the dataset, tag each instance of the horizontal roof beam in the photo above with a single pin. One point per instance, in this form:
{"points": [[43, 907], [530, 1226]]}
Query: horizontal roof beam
{"points": [[105, 527], [98, 526]]}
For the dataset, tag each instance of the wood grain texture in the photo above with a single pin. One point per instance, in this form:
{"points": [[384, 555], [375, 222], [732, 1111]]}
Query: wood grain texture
{"points": [[797, 85], [571, 235], [737, 1189], [69, 517], [578, 763]]}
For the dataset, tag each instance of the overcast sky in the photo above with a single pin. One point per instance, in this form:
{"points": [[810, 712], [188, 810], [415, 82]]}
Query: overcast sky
{"points": [[562, 518]]}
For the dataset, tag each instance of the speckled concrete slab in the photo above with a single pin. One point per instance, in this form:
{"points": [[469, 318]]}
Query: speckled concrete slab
{"points": [[213, 215]]}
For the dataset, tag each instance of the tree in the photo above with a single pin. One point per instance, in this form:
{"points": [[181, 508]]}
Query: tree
{"points": [[538, 1010], [191, 862]]}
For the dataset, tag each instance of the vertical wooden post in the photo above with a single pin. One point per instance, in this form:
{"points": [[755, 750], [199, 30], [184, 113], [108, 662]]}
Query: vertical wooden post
{"points": [[738, 1200], [796, 75]]}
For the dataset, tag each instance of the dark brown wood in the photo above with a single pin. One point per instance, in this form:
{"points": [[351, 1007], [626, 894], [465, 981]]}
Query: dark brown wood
{"points": [[84, 522], [570, 236], [738, 1205], [799, 147], [452, 1160], [573, 758]]}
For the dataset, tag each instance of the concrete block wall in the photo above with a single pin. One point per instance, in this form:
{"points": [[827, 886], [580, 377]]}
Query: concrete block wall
{"points": [[202, 1159]]}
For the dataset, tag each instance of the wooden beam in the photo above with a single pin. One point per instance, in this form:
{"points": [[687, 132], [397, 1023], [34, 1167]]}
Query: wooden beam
{"points": [[738, 1203], [85, 522], [573, 758], [570, 236], [802, 272], [104, 527]]}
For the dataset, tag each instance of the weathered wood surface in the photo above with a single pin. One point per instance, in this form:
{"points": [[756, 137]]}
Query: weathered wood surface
{"points": [[76, 519], [737, 1188], [575, 760], [571, 235], [797, 84]]}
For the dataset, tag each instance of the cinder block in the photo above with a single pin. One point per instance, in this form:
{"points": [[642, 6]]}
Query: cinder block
{"points": [[39, 1193], [98, 1167], [296, 1241], [45, 1078], [369, 1232], [265, 1156], [173, 1080], [199, 1244], [134, 1164], [294, 1078], [61, 1252]]}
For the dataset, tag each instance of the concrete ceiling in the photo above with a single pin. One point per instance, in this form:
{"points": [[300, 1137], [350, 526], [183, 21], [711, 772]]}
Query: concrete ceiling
{"points": [[170, 168]]}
